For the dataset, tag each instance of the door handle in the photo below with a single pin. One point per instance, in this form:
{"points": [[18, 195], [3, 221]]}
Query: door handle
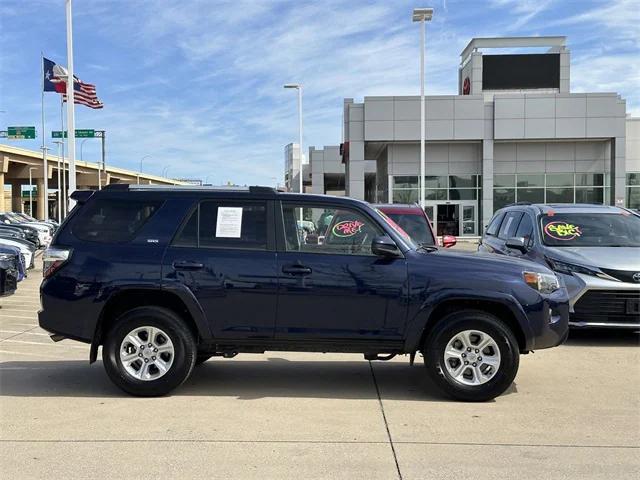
{"points": [[296, 270], [187, 265]]}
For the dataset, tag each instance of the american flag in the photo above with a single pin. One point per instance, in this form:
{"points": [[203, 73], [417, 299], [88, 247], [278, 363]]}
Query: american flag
{"points": [[83, 94]]}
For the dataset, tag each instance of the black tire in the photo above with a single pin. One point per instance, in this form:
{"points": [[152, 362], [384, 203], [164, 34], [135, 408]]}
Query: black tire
{"points": [[455, 323], [184, 357], [202, 357]]}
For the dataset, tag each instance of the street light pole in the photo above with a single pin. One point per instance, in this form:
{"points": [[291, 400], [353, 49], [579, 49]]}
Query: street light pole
{"points": [[298, 87], [71, 123], [31, 191], [82, 145], [60, 193], [422, 15], [146, 156]]}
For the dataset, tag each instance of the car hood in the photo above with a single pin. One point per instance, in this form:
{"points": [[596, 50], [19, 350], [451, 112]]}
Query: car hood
{"points": [[490, 259], [615, 258]]}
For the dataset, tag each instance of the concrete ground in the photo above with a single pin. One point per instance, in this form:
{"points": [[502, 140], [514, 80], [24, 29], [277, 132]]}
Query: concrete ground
{"points": [[573, 412]]}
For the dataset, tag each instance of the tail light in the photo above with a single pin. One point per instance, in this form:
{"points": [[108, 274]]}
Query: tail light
{"points": [[53, 258]]}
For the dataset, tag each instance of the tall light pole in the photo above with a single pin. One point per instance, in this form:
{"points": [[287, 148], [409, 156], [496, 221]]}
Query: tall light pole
{"points": [[146, 156], [82, 145], [31, 191], [71, 122], [422, 15], [60, 191], [298, 87]]}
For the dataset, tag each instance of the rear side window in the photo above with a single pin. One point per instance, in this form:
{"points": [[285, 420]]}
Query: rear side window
{"points": [[509, 225], [222, 224], [113, 220], [494, 225]]}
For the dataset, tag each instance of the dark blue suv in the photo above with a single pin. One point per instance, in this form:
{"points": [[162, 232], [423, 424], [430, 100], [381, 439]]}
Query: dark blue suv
{"points": [[165, 278]]}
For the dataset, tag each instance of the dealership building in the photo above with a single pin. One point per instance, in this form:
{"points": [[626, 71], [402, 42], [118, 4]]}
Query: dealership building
{"points": [[513, 133]]}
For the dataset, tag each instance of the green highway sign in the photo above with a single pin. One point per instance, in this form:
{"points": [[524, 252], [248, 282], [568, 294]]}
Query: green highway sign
{"points": [[85, 133], [21, 133]]}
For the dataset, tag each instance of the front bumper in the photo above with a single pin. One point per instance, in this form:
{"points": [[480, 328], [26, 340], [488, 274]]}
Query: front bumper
{"points": [[549, 320], [601, 303]]}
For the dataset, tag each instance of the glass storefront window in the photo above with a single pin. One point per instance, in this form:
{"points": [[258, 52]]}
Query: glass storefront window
{"points": [[560, 195], [504, 181], [532, 195], [503, 197], [560, 180], [633, 197], [530, 180], [405, 182], [435, 181], [589, 195], [463, 181], [633, 178], [406, 196], [589, 179], [463, 194], [435, 194]]}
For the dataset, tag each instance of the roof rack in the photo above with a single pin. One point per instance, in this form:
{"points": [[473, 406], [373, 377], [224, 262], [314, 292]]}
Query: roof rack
{"points": [[518, 204], [190, 188]]}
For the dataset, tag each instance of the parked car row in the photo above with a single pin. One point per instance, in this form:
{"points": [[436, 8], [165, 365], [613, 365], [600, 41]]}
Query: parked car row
{"points": [[20, 237]]}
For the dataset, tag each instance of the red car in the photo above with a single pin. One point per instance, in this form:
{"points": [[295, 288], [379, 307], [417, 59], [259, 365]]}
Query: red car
{"points": [[414, 221]]}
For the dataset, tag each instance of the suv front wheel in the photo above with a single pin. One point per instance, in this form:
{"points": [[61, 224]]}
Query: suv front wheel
{"points": [[149, 351], [472, 355]]}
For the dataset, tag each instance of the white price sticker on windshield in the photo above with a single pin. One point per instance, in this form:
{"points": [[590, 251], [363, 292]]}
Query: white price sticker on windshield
{"points": [[229, 222]]}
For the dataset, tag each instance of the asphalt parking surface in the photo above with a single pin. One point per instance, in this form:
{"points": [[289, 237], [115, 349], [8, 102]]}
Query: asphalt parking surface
{"points": [[573, 412]]}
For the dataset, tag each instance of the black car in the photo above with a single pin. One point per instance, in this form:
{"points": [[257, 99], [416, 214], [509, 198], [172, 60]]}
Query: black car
{"points": [[594, 250], [164, 278], [8, 273]]}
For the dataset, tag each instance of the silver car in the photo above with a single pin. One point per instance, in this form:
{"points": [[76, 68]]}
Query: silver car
{"points": [[594, 249]]}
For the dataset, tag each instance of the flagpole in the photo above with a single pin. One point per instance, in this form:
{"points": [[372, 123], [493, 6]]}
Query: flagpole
{"points": [[71, 123], [45, 167], [63, 198]]}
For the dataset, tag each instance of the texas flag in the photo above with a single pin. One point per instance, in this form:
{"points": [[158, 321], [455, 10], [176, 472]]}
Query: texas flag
{"points": [[55, 80]]}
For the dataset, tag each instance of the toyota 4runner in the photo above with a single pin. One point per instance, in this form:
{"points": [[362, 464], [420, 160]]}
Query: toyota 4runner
{"points": [[163, 278]]}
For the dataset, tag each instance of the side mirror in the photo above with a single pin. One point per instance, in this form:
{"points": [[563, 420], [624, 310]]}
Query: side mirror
{"points": [[448, 241], [517, 243], [384, 246]]}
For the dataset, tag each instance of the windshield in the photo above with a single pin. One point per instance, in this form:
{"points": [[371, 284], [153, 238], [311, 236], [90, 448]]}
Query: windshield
{"points": [[590, 230], [405, 236], [415, 225]]}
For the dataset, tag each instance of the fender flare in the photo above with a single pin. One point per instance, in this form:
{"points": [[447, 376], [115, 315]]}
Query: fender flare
{"points": [[179, 290], [424, 318]]}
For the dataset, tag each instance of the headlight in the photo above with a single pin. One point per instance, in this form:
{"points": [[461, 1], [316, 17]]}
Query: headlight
{"points": [[5, 256], [543, 282], [570, 268]]}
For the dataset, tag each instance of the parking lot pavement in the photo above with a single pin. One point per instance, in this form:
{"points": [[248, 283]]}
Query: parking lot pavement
{"points": [[574, 412]]}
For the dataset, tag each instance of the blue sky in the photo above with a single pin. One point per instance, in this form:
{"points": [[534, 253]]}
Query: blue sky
{"points": [[197, 84]]}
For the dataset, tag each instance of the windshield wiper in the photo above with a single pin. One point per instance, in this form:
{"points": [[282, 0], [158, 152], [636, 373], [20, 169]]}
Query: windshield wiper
{"points": [[427, 248]]}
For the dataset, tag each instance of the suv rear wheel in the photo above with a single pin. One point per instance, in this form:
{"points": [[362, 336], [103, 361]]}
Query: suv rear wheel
{"points": [[472, 355], [149, 351]]}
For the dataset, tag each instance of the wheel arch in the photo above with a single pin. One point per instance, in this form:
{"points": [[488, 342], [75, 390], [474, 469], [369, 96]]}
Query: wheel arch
{"points": [[504, 310], [126, 299]]}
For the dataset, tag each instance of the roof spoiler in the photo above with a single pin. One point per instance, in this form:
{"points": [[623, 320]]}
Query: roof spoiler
{"points": [[82, 196]]}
